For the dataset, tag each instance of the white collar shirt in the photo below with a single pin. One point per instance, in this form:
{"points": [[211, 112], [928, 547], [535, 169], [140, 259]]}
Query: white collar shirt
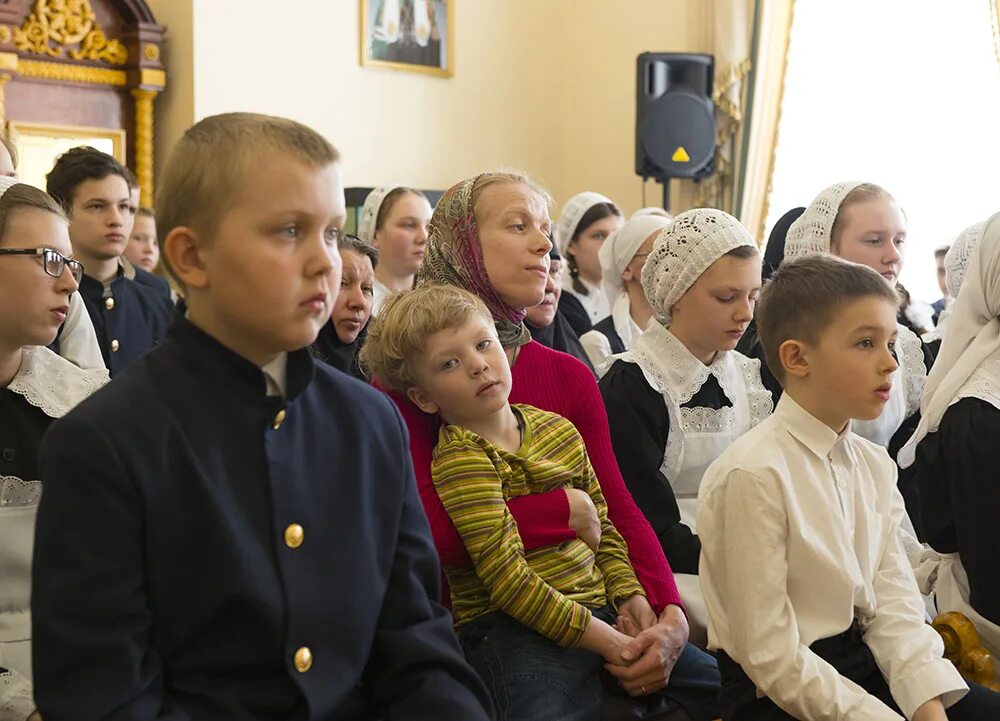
{"points": [[799, 528]]}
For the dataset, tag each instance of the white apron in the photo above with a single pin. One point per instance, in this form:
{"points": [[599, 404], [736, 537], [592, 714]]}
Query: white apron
{"points": [[697, 435], [54, 385]]}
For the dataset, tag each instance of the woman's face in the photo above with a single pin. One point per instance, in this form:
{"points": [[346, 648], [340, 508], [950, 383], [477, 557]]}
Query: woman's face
{"points": [[542, 315], [353, 306], [33, 304], [714, 313], [873, 233], [403, 235], [514, 225], [585, 247]]}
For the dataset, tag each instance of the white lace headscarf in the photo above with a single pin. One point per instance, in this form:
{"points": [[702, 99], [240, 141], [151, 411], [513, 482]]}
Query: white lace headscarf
{"points": [[972, 344], [369, 212], [684, 250], [618, 251], [574, 210], [812, 232], [956, 260]]}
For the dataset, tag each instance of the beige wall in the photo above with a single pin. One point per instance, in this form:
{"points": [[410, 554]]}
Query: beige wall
{"points": [[545, 85]]}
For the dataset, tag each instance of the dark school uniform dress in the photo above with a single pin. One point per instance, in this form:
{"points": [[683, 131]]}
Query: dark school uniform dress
{"points": [[130, 315], [956, 473], [46, 386], [207, 551]]}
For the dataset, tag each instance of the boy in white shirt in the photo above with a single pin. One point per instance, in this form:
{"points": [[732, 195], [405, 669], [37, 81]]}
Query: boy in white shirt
{"points": [[812, 604]]}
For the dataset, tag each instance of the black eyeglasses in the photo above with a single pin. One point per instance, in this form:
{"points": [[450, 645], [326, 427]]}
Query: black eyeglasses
{"points": [[53, 261]]}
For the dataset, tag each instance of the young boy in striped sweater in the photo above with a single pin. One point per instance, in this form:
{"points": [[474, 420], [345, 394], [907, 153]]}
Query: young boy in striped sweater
{"points": [[537, 625]]}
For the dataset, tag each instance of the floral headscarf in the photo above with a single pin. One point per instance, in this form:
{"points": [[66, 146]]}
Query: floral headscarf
{"points": [[454, 256]]}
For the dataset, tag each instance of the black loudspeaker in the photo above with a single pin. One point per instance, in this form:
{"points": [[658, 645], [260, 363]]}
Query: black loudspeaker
{"points": [[674, 116]]}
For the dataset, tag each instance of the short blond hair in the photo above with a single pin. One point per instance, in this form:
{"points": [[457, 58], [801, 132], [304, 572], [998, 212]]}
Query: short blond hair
{"points": [[210, 164], [397, 336]]}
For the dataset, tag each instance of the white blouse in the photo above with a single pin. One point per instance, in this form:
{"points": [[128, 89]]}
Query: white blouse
{"points": [[595, 302], [800, 536]]}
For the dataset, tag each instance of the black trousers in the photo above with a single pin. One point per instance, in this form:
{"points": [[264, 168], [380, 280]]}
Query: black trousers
{"points": [[848, 654]]}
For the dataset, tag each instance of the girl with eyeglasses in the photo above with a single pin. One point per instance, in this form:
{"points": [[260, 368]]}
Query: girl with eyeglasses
{"points": [[36, 386]]}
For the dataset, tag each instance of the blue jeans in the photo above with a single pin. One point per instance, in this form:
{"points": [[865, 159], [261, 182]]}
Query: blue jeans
{"points": [[534, 679]]}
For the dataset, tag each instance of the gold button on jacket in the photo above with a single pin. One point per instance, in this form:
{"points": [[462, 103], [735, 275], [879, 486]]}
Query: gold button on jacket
{"points": [[278, 419], [114, 345], [109, 303], [294, 535], [303, 659]]}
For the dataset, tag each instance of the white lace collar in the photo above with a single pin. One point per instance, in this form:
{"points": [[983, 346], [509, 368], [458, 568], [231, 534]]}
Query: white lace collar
{"points": [[659, 351], [984, 384], [911, 358], [53, 384]]}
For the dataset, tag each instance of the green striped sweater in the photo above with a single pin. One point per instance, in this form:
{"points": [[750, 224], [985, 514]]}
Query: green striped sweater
{"points": [[551, 589]]}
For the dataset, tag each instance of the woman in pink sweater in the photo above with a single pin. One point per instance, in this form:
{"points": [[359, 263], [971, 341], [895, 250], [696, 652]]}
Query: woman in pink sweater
{"points": [[490, 235]]}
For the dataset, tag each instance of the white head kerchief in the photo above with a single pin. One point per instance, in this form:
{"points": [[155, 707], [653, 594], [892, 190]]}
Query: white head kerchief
{"points": [[956, 261], [369, 213], [572, 212], [619, 250], [651, 210], [811, 232], [973, 340], [684, 250], [7, 182]]}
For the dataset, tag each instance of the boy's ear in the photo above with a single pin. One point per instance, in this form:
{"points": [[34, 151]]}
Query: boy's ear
{"points": [[183, 250], [794, 358], [421, 401]]}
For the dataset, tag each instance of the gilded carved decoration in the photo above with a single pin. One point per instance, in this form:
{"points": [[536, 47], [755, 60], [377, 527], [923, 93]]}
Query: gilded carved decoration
{"points": [[144, 143], [55, 26], [72, 73]]}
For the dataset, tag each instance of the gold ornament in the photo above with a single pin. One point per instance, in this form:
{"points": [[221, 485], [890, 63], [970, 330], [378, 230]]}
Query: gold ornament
{"points": [[5, 34], [151, 52], [144, 143], [72, 73], [67, 23]]}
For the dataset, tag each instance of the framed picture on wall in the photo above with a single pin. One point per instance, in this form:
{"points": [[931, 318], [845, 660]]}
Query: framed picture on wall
{"points": [[412, 35]]}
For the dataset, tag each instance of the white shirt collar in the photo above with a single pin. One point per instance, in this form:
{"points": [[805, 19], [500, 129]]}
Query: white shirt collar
{"points": [[816, 435], [276, 375]]}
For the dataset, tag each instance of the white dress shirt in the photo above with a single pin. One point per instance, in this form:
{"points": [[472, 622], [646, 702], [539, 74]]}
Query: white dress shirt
{"points": [[800, 536], [276, 375]]}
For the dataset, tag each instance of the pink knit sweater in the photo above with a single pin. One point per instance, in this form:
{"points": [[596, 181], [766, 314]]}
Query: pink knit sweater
{"points": [[559, 383]]}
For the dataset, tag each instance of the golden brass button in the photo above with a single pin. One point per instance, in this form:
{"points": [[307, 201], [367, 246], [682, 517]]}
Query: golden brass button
{"points": [[303, 659], [114, 345], [109, 303], [278, 419], [294, 535]]}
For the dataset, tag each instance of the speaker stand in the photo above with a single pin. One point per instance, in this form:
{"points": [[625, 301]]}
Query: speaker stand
{"points": [[665, 182]]}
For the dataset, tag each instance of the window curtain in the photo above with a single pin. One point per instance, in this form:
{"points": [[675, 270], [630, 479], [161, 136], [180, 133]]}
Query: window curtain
{"points": [[757, 133], [730, 23]]}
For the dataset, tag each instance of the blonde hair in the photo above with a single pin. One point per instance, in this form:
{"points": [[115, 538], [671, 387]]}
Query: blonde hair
{"points": [[860, 194], [398, 335], [22, 196], [507, 175], [210, 164]]}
